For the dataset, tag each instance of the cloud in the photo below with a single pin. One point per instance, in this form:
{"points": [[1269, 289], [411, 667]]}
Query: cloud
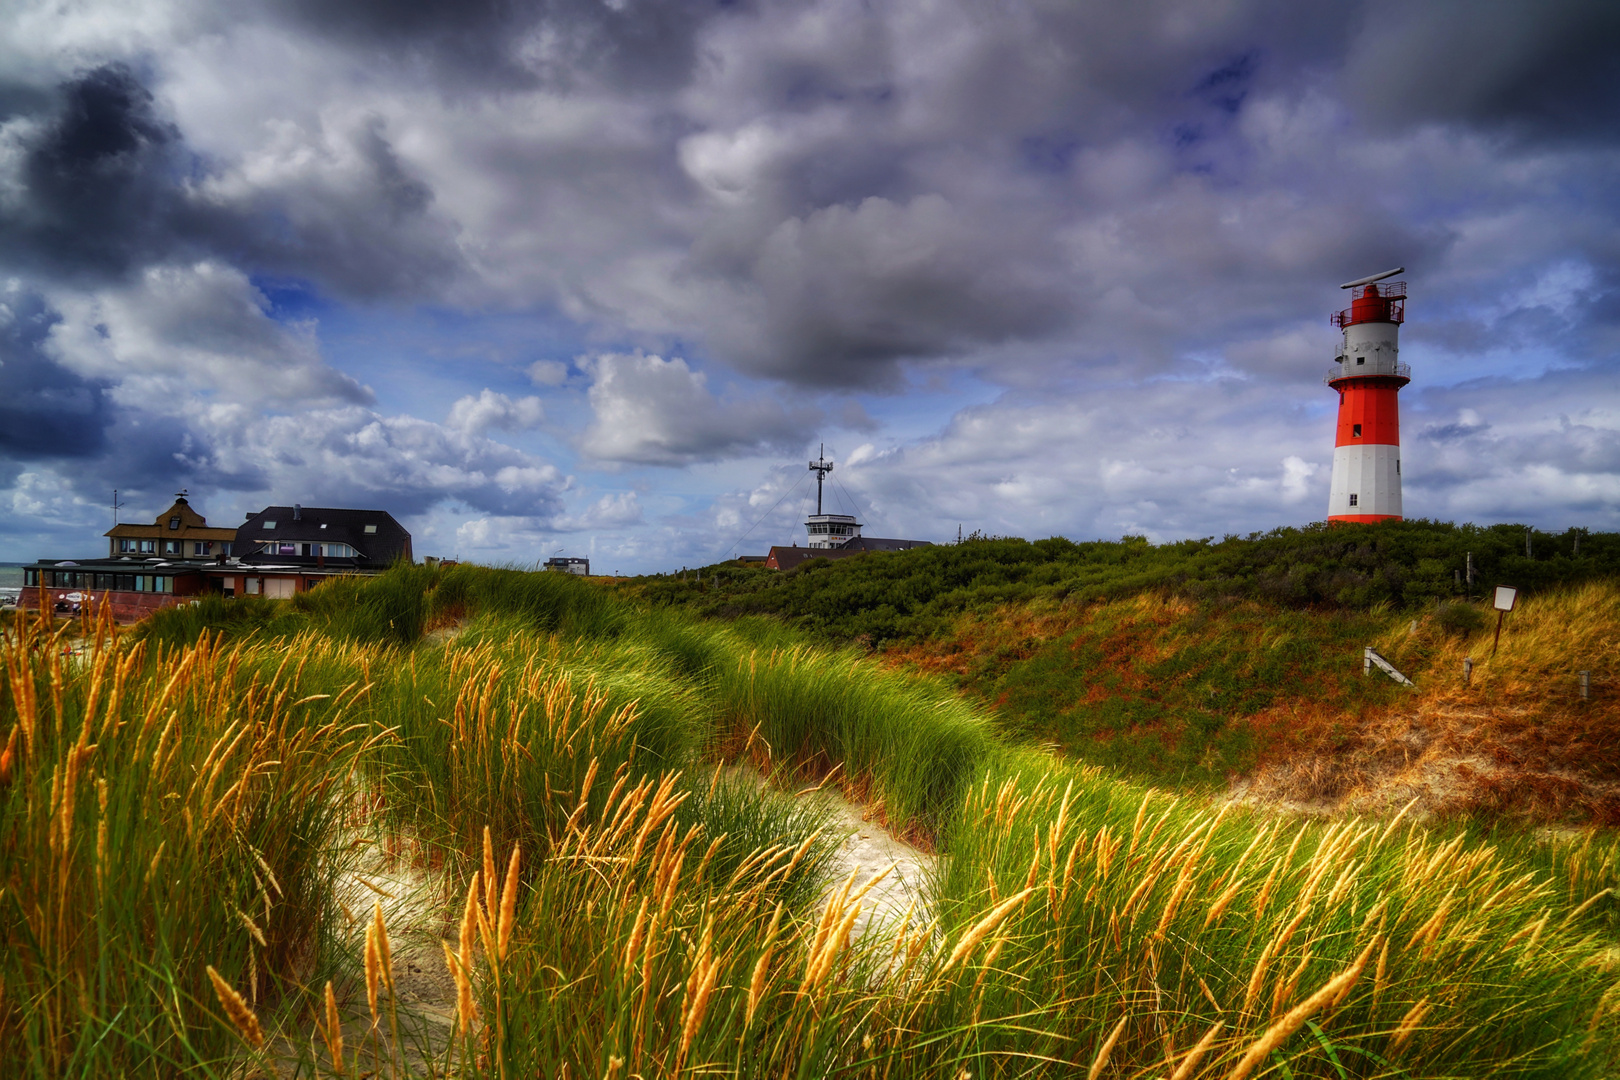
{"points": [[97, 185], [653, 411], [548, 373], [90, 186], [489, 410], [46, 410], [180, 330], [1544, 71], [613, 511], [645, 44], [1113, 232]]}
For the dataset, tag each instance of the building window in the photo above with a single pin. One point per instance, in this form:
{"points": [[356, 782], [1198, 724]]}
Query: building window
{"points": [[126, 545], [31, 577], [371, 528], [148, 547], [174, 522], [171, 547], [202, 547], [225, 547], [269, 524], [1355, 431], [1352, 500]]}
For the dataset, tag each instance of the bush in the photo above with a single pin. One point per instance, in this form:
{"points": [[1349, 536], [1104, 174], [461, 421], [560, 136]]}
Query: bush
{"points": [[1459, 619]]}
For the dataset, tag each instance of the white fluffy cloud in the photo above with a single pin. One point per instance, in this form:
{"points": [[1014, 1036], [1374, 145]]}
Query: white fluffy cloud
{"points": [[479, 414], [655, 411], [176, 331]]}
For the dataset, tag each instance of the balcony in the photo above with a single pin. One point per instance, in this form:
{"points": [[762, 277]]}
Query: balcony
{"points": [[1388, 369], [1386, 304]]}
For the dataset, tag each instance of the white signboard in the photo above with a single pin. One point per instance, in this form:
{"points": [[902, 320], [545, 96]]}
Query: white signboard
{"points": [[1505, 597]]}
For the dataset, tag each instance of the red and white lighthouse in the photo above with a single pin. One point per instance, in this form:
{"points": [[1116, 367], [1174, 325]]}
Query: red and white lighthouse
{"points": [[1368, 375]]}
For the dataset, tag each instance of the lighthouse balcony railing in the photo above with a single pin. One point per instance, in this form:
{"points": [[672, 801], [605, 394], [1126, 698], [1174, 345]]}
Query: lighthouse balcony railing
{"points": [[1384, 368], [1396, 310]]}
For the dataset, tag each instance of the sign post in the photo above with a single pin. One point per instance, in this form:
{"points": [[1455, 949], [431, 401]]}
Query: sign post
{"points": [[1506, 597]]}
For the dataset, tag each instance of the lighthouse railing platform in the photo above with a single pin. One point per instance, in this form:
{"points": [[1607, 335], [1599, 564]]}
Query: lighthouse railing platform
{"points": [[1376, 368]]}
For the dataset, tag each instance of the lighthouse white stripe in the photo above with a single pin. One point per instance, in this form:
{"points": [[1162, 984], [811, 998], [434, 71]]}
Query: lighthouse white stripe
{"points": [[1372, 474]]}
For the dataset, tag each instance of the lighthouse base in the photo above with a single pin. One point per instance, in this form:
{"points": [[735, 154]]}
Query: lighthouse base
{"points": [[1366, 483]]}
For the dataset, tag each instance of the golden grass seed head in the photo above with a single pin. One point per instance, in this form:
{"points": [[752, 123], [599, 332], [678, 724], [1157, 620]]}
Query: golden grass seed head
{"points": [[1295, 1018], [333, 1030], [1100, 1062], [1190, 1063], [242, 1016]]}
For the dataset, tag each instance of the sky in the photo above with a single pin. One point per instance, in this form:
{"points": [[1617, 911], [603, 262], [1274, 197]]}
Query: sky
{"points": [[598, 277]]}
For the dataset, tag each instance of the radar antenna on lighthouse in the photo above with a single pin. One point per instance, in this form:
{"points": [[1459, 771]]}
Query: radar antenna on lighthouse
{"points": [[828, 530], [1368, 375]]}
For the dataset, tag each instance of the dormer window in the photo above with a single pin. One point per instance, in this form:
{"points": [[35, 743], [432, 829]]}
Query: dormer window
{"points": [[371, 528], [269, 524], [174, 522]]}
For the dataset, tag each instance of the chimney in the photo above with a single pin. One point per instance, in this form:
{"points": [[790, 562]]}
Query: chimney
{"points": [[298, 512]]}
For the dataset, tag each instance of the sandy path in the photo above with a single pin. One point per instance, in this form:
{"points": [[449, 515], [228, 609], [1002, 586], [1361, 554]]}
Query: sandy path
{"points": [[868, 849]]}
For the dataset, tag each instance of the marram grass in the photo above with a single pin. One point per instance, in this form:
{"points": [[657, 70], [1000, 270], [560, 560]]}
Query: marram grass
{"points": [[173, 819]]}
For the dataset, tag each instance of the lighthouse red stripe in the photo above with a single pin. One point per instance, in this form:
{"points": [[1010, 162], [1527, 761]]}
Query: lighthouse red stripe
{"points": [[1375, 409]]}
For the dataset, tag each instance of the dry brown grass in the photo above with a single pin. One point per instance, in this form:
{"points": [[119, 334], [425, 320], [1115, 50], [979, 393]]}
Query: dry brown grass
{"points": [[1516, 741]]}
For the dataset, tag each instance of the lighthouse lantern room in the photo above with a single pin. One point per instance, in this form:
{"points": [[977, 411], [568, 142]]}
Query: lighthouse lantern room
{"points": [[1368, 375]]}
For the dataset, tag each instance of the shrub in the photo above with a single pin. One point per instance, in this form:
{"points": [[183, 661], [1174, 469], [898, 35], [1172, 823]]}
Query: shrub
{"points": [[1459, 619]]}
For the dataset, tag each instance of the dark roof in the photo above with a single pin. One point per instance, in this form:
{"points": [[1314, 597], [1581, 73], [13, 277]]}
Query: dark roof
{"points": [[786, 558], [381, 547], [878, 543]]}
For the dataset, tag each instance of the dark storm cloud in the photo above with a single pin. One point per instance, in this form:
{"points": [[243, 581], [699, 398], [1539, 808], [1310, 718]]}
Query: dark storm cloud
{"points": [[101, 180], [1548, 69], [46, 411], [108, 186], [642, 44]]}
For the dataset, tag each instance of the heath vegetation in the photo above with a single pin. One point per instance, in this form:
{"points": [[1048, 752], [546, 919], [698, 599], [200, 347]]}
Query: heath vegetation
{"points": [[599, 796]]}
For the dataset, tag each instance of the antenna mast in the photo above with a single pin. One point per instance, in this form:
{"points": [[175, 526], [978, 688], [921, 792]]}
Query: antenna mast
{"points": [[821, 467], [116, 507]]}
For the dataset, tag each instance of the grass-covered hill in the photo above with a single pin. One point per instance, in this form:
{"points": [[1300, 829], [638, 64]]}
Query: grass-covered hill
{"points": [[186, 812], [914, 595], [1207, 693], [1203, 663]]}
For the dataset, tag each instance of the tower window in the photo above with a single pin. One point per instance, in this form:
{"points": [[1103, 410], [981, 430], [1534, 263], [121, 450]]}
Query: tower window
{"points": [[1361, 359], [1352, 500], [1397, 466], [1355, 431]]}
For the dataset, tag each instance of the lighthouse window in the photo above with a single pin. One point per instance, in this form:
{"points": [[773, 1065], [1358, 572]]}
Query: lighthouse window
{"points": [[1355, 431], [1352, 500], [1361, 359], [1397, 466]]}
